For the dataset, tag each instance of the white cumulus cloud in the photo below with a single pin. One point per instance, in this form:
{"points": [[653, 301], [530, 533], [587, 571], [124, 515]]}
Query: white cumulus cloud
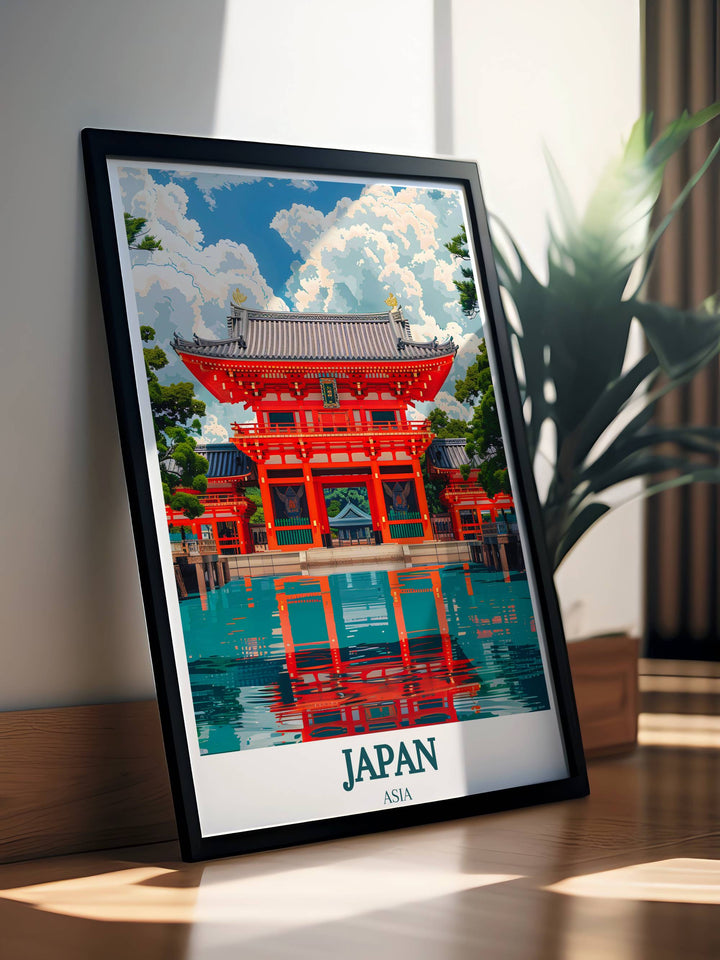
{"points": [[192, 273], [213, 431], [209, 183], [387, 241], [308, 185]]}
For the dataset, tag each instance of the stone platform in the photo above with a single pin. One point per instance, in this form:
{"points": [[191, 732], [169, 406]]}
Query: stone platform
{"points": [[321, 561]]}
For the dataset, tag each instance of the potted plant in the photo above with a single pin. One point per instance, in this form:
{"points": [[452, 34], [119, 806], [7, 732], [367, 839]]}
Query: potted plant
{"points": [[571, 334]]}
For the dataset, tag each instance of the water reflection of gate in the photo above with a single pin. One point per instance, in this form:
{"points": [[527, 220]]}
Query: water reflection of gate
{"points": [[410, 678]]}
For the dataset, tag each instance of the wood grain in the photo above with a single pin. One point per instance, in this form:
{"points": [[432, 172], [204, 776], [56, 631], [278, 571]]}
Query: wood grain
{"points": [[91, 778], [575, 880], [605, 678], [82, 778]]}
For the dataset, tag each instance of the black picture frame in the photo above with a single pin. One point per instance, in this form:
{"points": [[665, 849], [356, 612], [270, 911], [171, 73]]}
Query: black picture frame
{"points": [[101, 146]]}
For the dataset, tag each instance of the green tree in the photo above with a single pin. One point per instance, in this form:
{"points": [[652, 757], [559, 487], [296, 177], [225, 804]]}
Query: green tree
{"points": [[253, 493], [334, 507], [134, 229], [458, 247], [176, 412], [444, 426], [433, 488], [485, 441]]}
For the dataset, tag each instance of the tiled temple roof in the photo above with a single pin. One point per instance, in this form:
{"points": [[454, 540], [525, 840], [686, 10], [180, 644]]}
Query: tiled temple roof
{"points": [[351, 516], [225, 460], [266, 335], [450, 454]]}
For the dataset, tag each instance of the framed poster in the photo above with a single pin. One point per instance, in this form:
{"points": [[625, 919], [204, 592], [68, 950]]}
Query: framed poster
{"points": [[351, 614]]}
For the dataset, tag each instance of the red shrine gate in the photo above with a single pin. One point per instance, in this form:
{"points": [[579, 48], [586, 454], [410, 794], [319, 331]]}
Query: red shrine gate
{"points": [[336, 697], [331, 395]]}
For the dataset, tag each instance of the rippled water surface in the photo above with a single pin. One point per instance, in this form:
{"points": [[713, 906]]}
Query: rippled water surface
{"points": [[282, 660]]}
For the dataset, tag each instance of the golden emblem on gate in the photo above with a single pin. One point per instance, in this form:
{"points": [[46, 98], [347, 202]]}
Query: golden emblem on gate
{"points": [[329, 393]]}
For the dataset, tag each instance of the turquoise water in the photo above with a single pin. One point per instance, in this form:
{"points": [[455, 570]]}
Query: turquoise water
{"points": [[281, 660]]}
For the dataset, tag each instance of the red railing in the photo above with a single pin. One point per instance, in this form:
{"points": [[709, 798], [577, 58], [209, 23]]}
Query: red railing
{"points": [[472, 531], [229, 500], [412, 428]]}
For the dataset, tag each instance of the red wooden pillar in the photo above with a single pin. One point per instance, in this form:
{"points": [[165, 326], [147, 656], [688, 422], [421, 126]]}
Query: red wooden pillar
{"points": [[267, 506], [374, 507], [306, 727], [287, 636], [243, 510], [399, 616], [320, 500], [422, 501], [379, 496], [442, 618], [455, 517], [242, 527], [247, 535], [314, 511], [330, 623]]}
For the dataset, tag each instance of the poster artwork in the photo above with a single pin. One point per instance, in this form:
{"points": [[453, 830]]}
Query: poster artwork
{"points": [[279, 472], [353, 584]]}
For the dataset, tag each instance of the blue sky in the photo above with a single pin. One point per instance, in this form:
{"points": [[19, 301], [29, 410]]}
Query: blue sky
{"points": [[246, 210], [292, 244]]}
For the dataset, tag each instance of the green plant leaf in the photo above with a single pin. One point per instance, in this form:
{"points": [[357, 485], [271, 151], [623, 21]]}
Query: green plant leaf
{"points": [[637, 464], [683, 340], [579, 525], [530, 299], [703, 475], [702, 440], [657, 235], [574, 332], [676, 133], [609, 404]]}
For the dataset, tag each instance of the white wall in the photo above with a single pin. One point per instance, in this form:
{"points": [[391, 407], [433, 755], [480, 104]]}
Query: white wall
{"points": [[567, 75], [356, 74], [319, 72]]}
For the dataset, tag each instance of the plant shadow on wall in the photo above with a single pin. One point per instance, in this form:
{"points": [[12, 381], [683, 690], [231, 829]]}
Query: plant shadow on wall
{"points": [[571, 334]]}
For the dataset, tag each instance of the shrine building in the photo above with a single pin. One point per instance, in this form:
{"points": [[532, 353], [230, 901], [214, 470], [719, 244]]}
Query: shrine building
{"points": [[331, 395], [225, 522], [466, 501], [489, 521], [352, 524]]}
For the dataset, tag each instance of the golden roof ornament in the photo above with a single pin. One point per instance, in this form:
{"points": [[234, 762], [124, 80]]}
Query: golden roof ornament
{"points": [[392, 301], [238, 298]]}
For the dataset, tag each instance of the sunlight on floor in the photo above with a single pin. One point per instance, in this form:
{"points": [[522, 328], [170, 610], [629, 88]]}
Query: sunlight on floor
{"points": [[671, 881], [678, 729], [259, 903], [693, 685]]}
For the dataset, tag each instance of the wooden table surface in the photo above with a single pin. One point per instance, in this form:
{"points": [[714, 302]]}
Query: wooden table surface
{"points": [[631, 872]]}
